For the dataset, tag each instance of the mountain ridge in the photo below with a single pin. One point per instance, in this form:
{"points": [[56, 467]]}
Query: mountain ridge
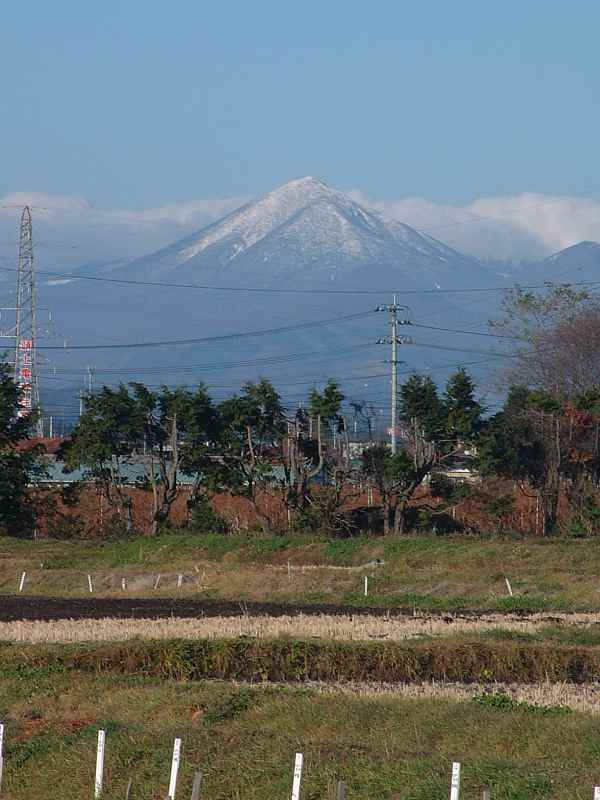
{"points": [[304, 235], [306, 231]]}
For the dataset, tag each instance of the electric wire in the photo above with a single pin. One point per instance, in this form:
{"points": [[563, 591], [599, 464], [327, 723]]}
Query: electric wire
{"points": [[286, 290], [204, 339]]}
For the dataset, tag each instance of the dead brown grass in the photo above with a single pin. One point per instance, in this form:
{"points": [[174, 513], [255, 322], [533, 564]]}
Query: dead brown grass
{"points": [[339, 628], [578, 697]]}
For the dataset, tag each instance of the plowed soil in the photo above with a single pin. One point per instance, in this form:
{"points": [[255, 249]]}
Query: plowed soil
{"points": [[13, 607]]}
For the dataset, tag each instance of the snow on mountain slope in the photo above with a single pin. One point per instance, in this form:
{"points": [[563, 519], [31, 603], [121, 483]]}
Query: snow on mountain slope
{"points": [[303, 235], [305, 232]]}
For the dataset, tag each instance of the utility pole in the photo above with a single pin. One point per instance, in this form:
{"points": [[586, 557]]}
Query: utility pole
{"points": [[90, 377], [395, 340], [90, 385]]}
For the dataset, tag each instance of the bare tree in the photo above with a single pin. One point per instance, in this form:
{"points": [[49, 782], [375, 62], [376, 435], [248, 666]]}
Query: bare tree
{"points": [[557, 339]]}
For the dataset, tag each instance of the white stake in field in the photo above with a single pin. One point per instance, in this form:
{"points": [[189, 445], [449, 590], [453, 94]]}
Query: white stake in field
{"points": [[455, 783], [99, 764], [297, 776], [1, 750], [174, 768]]}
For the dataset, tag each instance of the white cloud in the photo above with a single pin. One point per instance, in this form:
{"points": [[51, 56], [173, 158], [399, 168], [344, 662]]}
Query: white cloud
{"points": [[514, 227], [69, 231]]}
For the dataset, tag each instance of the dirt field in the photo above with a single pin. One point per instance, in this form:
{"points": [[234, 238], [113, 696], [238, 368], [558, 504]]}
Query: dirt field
{"points": [[15, 607]]}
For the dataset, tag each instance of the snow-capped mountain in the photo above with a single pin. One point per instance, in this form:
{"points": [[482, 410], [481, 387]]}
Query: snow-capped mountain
{"points": [[580, 262], [303, 235], [305, 232]]}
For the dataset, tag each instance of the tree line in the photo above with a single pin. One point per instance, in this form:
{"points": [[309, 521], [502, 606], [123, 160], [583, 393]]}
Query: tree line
{"points": [[545, 438]]}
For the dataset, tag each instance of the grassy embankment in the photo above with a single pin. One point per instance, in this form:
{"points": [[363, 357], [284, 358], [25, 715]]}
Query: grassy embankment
{"points": [[453, 659], [244, 738], [426, 572]]}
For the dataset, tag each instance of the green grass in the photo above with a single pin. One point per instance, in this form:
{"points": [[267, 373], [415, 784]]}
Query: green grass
{"points": [[426, 572], [244, 738], [455, 659], [504, 702], [568, 635]]}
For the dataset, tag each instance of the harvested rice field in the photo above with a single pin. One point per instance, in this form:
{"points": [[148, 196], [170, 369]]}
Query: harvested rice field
{"points": [[304, 626], [269, 648]]}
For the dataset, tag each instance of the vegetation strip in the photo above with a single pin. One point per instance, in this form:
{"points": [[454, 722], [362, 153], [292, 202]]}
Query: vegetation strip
{"points": [[581, 628], [463, 661], [584, 698]]}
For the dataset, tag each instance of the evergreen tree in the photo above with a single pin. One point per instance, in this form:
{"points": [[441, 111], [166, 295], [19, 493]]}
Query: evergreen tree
{"points": [[20, 464], [434, 430], [102, 443], [421, 403], [326, 404], [462, 411], [253, 426]]}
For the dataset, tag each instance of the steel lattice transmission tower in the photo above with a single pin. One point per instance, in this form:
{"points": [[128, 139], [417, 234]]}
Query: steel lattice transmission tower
{"points": [[26, 366]]}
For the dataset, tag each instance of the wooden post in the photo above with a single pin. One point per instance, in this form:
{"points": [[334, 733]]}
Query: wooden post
{"points": [[90, 587], [128, 789], [123, 584], [99, 763], [197, 785], [455, 784], [366, 586], [487, 794], [509, 587], [297, 776], [22, 581], [340, 792], [157, 581], [179, 581], [1, 751], [289, 571], [174, 768]]}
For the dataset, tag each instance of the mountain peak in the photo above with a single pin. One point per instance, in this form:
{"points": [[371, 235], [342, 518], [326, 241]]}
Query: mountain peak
{"points": [[308, 181], [585, 248], [297, 193], [305, 231]]}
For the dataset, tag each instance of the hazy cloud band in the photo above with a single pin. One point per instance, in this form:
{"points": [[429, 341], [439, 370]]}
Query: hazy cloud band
{"points": [[70, 231]]}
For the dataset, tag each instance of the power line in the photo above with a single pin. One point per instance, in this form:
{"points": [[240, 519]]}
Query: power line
{"points": [[308, 382], [203, 339], [472, 333], [267, 360], [452, 349], [283, 290]]}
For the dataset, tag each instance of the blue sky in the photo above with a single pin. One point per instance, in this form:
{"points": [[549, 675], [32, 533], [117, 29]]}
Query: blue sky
{"points": [[137, 104]]}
